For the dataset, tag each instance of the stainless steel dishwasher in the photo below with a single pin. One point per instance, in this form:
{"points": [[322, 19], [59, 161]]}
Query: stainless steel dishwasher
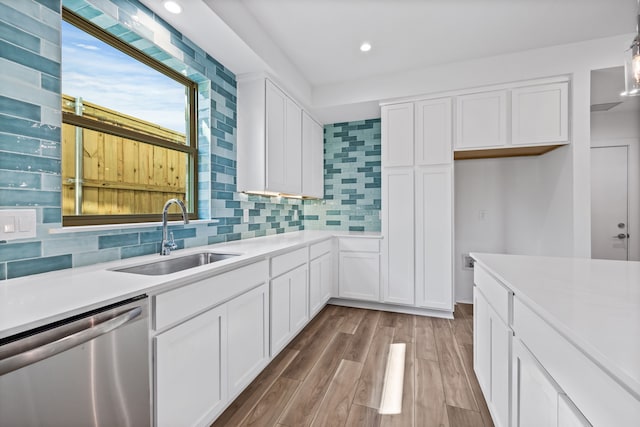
{"points": [[88, 370]]}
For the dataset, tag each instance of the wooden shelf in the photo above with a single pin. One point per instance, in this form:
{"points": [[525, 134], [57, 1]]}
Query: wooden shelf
{"points": [[495, 153]]}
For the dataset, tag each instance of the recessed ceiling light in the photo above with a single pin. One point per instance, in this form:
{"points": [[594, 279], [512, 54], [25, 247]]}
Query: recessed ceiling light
{"points": [[365, 47], [172, 6]]}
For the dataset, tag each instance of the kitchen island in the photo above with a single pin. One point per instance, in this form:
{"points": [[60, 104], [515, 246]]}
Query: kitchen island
{"points": [[557, 340]]}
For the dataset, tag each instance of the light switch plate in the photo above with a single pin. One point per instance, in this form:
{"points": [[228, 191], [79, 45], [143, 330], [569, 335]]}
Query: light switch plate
{"points": [[17, 224]]}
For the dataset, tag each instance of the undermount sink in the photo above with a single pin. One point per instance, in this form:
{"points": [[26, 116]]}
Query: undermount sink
{"points": [[173, 265]]}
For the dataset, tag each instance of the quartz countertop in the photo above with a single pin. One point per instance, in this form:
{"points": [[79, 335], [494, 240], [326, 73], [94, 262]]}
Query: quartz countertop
{"points": [[33, 301], [595, 304]]}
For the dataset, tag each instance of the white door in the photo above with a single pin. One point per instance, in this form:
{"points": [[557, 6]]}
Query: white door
{"points": [[609, 204]]}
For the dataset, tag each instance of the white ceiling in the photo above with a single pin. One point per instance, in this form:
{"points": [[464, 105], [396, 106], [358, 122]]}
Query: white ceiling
{"points": [[322, 37], [308, 44]]}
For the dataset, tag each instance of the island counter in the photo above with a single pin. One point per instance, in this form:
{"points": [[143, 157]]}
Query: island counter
{"points": [[557, 339]]}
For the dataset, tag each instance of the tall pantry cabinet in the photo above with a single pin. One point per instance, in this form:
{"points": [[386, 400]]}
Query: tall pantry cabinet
{"points": [[417, 209]]}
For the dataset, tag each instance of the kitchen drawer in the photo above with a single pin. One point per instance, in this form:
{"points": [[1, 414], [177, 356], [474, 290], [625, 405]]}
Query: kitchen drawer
{"points": [[282, 263], [602, 400], [355, 244], [182, 303], [498, 296], [318, 249]]}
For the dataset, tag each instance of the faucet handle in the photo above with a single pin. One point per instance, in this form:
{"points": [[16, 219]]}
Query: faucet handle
{"points": [[172, 242]]}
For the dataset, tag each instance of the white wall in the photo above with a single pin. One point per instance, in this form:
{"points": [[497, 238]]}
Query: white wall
{"points": [[513, 205], [611, 128]]}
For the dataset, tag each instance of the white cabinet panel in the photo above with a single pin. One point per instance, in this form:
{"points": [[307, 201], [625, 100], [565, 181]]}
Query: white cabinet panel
{"points": [[539, 114], [299, 298], [280, 313], [293, 149], [397, 252], [247, 337], [320, 282], [190, 370], [397, 134], [482, 342], [433, 129], [312, 158], [433, 237], [569, 415], [481, 120], [535, 395], [289, 307], [359, 275], [276, 143]]}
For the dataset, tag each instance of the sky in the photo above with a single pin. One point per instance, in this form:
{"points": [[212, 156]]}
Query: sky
{"points": [[105, 76]]}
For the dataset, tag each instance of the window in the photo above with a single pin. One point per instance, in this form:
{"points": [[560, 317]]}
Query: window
{"points": [[128, 130]]}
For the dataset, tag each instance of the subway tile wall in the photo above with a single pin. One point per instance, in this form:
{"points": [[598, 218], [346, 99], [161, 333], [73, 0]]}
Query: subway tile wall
{"points": [[352, 179], [30, 134]]}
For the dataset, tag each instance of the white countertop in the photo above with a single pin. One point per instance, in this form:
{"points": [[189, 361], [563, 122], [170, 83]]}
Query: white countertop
{"points": [[595, 304], [32, 301]]}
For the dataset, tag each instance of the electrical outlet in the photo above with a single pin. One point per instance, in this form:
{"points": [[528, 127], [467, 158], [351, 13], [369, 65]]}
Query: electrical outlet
{"points": [[295, 215], [245, 215], [467, 262]]}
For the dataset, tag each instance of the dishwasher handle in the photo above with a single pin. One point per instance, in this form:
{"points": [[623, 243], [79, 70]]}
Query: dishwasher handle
{"points": [[45, 347]]}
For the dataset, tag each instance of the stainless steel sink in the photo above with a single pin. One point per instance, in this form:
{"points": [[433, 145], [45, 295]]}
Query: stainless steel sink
{"points": [[173, 265]]}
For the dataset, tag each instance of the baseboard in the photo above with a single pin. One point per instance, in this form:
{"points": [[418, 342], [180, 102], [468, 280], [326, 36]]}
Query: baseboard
{"points": [[371, 305]]}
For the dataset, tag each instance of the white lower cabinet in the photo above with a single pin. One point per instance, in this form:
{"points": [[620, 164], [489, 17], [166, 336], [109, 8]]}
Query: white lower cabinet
{"points": [[569, 415], [320, 281], [247, 338], [492, 358], [289, 306], [359, 275], [535, 394], [190, 370]]}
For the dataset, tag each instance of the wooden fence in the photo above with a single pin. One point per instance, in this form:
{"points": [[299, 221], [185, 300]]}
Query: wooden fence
{"points": [[121, 176]]}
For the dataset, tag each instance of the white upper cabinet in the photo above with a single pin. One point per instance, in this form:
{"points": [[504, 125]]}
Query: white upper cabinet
{"points": [[284, 142], [482, 120], [312, 158], [433, 132], [539, 114], [516, 116], [270, 143], [397, 135]]}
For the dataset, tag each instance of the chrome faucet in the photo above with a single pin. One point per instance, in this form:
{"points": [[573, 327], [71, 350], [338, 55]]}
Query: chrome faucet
{"points": [[168, 244]]}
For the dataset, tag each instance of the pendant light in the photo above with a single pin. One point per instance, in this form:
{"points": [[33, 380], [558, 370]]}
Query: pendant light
{"points": [[632, 64]]}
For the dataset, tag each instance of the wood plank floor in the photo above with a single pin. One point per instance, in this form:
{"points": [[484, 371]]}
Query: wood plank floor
{"points": [[332, 374]]}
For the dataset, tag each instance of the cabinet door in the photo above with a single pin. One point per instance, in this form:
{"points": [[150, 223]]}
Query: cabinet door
{"points": [[433, 236], [312, 158], [190, 370], [280, 313], [540, 114], [397, 135], [247, 337], [326, 276], [398, 230], [276, 105], [481, 120], [501, 338], [569, 415], [299, 300], [482, 342], [315, 285], [293, 148], [535, 395], [359, 275], [320, 282], [433, 132]]}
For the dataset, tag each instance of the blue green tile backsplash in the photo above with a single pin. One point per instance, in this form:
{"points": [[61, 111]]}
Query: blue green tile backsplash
{"points": [[30, 152], [352, 179]]}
